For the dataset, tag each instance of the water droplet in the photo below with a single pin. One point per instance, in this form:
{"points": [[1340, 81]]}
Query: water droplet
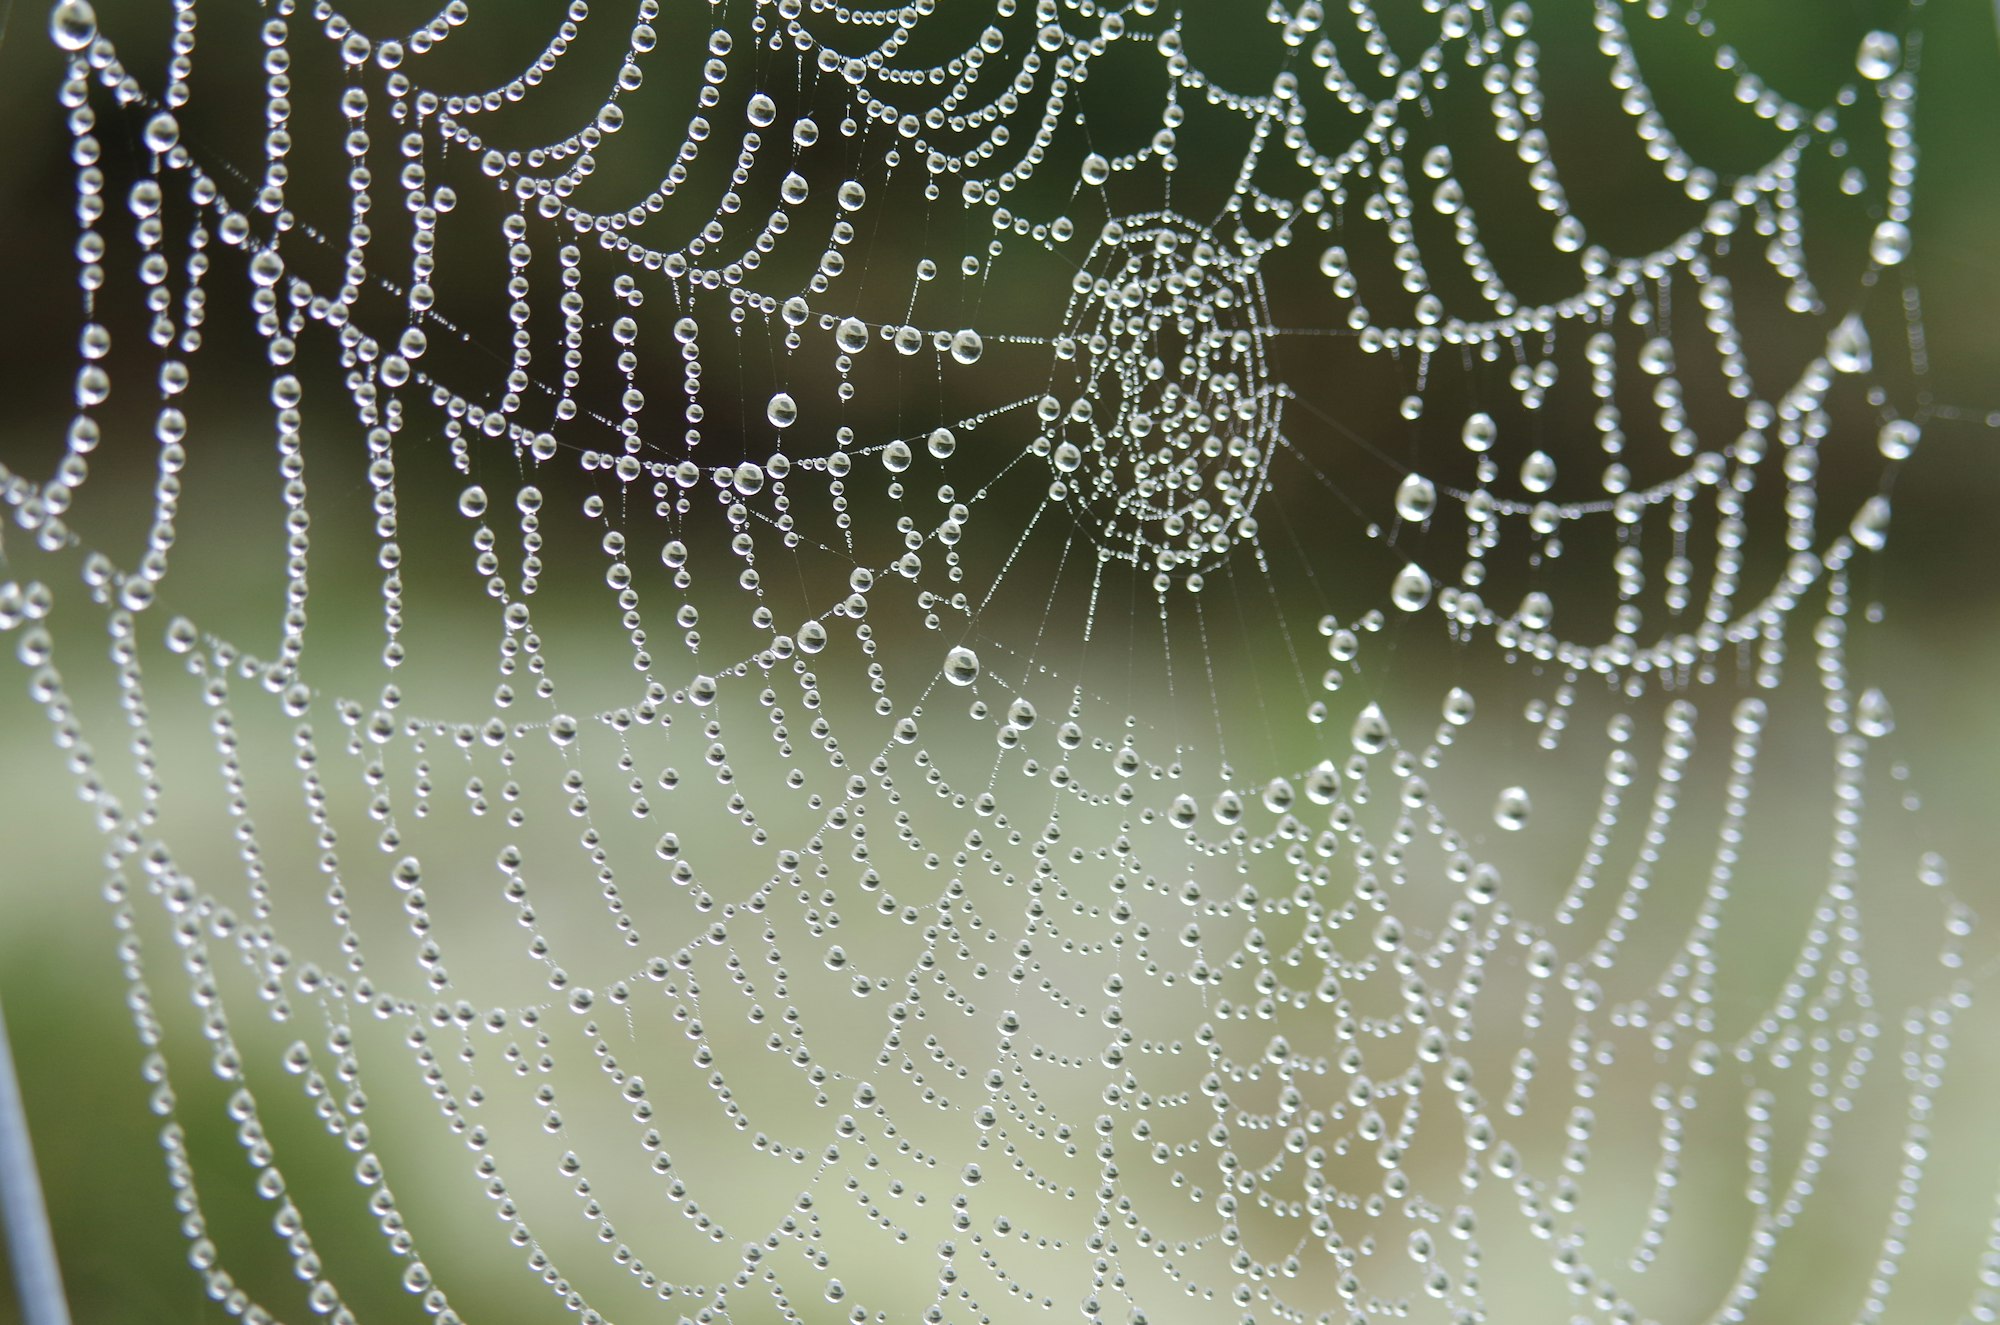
{"points": [[1872, 714], [73, 24], [1371, 731], [961, 666], [1847, 348], [1458, 706], [1890, 243], [1898, 438], [783, 411], [1480, 432], [1510, 811], [943, 442], [966, 346], [1388, 933], [1412, 588], [1538, 472], [1879, 55], [472, 502], [1095, 170], [851, 335], [1871, 523], [1416, 498], [761, 111], [162, 132]]}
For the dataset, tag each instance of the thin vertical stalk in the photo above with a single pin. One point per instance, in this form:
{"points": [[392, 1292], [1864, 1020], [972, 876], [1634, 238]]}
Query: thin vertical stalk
{"points": [[32, 1246]]}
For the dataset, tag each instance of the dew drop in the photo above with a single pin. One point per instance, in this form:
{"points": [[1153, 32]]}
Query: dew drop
{"points": [[162, 132], [1879, 55], [1095, 170], [1872, 715], [1871, 523], [1890, 243], [1416, 498], [1388, 933], [1480, 432], [961, 666], [783, 411], [1847, 349], [1458, 706], [1371, 731], [1538, 472], [1412, 588], [472, 502], [966, 346], [1898, 439], [943, 441], [73, 24], [1510, 811]]}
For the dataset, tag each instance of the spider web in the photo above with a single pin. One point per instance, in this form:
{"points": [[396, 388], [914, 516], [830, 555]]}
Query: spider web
{"points": [[975, 665]]}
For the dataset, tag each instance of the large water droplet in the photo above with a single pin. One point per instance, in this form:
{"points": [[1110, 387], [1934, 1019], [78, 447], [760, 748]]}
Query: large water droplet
{"points": [[961, 666], [1412, 588], [783, 411], [1510, 811], [1538, 472], [73, 24], [1890, 243], [1879, 55], [1847, 348], [1371, 731], [1416, 498], [1898, 438], [1480, 432]]}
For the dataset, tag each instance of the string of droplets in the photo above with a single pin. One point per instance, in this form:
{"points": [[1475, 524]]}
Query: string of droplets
{"points": [[1185, 508]]}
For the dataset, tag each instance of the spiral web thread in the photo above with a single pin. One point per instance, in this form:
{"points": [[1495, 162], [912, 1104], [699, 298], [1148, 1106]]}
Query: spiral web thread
{"points": [[1093, 1020]]}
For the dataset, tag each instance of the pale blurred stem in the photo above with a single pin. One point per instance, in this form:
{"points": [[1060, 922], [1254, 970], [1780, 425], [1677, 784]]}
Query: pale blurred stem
{"points": [[36, 1278]]}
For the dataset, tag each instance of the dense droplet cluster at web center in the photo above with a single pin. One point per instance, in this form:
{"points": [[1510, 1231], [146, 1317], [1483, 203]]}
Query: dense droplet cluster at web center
{"points": [[1056, 1000]]}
